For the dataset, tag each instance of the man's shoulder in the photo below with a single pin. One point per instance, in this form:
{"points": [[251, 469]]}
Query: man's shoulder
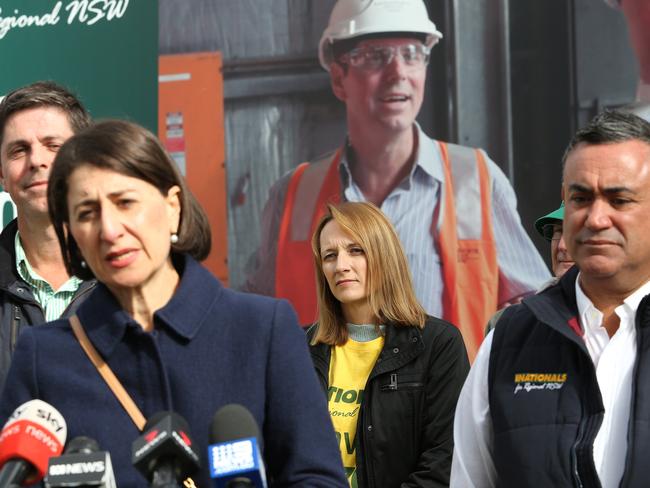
{"points": [[278, 190], [554, 308], [460, 153], [324, 158], [427, 139], [469, 153]]}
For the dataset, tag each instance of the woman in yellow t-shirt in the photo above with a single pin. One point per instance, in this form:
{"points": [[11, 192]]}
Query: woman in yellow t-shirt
{"points": [[392, 375]]}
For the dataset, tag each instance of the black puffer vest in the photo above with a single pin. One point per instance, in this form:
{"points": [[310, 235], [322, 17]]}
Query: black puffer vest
{"points": [[544, 398]]}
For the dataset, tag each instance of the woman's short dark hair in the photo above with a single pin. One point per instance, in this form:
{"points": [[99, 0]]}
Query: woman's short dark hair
{"points": [[131, 150]]}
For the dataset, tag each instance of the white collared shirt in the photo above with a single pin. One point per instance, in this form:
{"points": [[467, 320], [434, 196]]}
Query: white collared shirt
{"points": [[614, 361], [614, 358]]}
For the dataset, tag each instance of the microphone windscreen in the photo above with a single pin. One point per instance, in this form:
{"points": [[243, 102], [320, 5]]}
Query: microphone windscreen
{"points": [[232, 422], [234, 453], [82, 445]]}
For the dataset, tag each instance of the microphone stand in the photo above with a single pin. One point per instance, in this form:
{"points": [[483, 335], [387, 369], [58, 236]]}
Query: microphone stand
{"points": [[164, 477], [13, 472]]}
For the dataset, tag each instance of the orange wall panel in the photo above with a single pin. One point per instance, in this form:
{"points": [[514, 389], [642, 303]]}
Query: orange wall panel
{"points": [[191, 126]]}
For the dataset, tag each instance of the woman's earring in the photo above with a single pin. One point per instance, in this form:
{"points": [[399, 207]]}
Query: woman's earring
{"points": [[83, 264], [173, 238]]}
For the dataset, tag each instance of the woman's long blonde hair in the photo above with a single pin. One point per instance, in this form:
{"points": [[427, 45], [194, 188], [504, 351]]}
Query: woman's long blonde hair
{"points": [[390, 288]]}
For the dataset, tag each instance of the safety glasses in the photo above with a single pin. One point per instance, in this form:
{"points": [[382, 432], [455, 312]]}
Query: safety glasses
{"points": [[374, 58], [552, 232]]}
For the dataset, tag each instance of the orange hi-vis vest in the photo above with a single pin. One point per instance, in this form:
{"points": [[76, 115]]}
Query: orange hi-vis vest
{"points": [[465, 238]]}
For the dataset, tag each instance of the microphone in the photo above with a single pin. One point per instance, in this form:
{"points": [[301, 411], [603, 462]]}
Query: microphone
{"points": [[83, 464], [165, 454], [34, 432], [234, 454]]}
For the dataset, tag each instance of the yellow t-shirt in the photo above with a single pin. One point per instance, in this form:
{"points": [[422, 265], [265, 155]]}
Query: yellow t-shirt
{"points": [[350, 366]]}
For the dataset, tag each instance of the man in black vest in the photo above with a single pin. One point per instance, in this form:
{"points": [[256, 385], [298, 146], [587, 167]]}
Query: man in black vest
{"points": [[559, 394]]}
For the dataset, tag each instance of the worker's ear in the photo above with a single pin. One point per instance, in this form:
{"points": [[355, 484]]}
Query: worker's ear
{"points": [[337, 75]]}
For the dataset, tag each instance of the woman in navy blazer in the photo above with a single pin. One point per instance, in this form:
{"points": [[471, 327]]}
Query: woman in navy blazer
{"points": [[172, 334]]}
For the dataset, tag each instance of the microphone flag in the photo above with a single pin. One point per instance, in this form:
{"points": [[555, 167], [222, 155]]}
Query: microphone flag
{"points": [[34, 433]]}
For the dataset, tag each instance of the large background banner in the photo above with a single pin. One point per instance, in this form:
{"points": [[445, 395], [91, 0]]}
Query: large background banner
{"points": [[106, 51]]}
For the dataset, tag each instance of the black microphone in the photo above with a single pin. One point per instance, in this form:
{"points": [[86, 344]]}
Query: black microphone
{"points": [[234, 453], [165, 453], [82, 445], [34, 432], [83, 464]]}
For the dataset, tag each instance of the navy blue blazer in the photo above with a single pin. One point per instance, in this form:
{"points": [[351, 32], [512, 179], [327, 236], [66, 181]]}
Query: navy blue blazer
{"points": [[211, 346]]}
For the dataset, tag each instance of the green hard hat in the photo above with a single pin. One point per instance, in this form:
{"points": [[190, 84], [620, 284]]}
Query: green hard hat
{"points": [[550, 218]]}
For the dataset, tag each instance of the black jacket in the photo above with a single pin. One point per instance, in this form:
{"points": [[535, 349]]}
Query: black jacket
{"points": [[545, 402], [405, 429], [18, 307]]}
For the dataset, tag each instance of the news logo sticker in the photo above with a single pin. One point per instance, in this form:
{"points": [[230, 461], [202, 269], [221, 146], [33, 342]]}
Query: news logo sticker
{"points": [[230, 458]]}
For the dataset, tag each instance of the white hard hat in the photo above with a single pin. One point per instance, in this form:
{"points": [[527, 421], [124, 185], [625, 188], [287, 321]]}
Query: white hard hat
{"points": [[354, 18]]}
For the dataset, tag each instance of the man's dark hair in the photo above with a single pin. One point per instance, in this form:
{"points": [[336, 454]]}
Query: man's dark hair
{"points": [[611, 127], [44, 94]]}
